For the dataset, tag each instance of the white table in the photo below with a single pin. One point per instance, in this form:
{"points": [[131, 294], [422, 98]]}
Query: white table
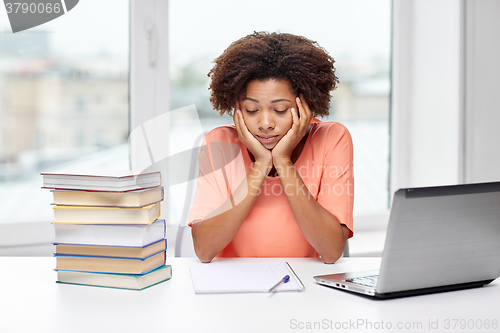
{"points": [[31, 301]]}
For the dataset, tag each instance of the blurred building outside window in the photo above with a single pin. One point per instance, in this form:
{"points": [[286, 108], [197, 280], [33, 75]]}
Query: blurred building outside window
{"points": [[64, 102]]}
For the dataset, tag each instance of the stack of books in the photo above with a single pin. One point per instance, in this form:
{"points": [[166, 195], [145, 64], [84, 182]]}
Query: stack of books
{"points": [[107, 228]]}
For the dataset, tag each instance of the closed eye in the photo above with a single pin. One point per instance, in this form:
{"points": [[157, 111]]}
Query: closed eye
{"points": [[281, 111], [251, 111]]}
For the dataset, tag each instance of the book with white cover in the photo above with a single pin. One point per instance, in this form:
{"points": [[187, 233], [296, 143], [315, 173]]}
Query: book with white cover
{"points": [[135, 235], [101, 180]]}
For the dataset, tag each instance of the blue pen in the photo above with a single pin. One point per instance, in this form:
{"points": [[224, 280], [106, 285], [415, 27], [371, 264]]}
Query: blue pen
{"points": [[285, 279]]}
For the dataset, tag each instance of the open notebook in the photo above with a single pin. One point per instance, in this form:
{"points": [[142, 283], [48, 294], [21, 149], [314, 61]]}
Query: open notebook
{"points": [[217, 278]]}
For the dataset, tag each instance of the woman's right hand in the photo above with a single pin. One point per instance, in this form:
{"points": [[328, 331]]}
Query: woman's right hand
{"points": [[261, 153]]}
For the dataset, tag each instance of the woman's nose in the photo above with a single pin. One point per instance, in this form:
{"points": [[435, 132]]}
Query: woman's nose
{"points": [[266, 121]]}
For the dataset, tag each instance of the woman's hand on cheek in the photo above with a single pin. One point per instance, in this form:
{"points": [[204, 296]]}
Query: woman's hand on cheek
{"points": [[285, 147], [260, 152]]}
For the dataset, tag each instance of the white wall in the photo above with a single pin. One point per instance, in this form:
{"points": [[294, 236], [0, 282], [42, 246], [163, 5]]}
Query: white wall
{"points": [[444, 98], [426, 90], [482, 96]]}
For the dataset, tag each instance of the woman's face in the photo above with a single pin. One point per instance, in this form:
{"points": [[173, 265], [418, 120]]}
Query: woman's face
{"points": [[266, 110]]}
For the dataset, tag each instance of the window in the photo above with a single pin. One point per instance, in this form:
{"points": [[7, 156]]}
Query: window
{"points": [[356, 33], [62, 104]]}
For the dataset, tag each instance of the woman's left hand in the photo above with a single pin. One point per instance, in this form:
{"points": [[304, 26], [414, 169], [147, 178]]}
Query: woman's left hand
{"points": [[285, 147]]}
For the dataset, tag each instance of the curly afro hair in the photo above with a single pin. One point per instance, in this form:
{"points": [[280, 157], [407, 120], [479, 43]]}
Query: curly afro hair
{"points": [[281, 56]]}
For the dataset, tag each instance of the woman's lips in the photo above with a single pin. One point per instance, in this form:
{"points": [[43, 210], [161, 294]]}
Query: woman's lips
{"points": [[267, 138]]}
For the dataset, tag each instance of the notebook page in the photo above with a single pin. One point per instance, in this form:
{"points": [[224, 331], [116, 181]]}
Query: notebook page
{"points": [[217, 277]]}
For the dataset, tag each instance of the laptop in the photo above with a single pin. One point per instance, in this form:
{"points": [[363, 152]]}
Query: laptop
{"points": [[438, 239]]}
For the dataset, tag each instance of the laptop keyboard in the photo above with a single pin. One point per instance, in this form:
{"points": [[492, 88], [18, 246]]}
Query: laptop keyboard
{"points": [[367, 281]]}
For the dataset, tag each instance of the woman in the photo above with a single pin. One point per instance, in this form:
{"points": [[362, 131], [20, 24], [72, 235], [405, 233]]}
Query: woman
{"points": [[290, 191]]}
